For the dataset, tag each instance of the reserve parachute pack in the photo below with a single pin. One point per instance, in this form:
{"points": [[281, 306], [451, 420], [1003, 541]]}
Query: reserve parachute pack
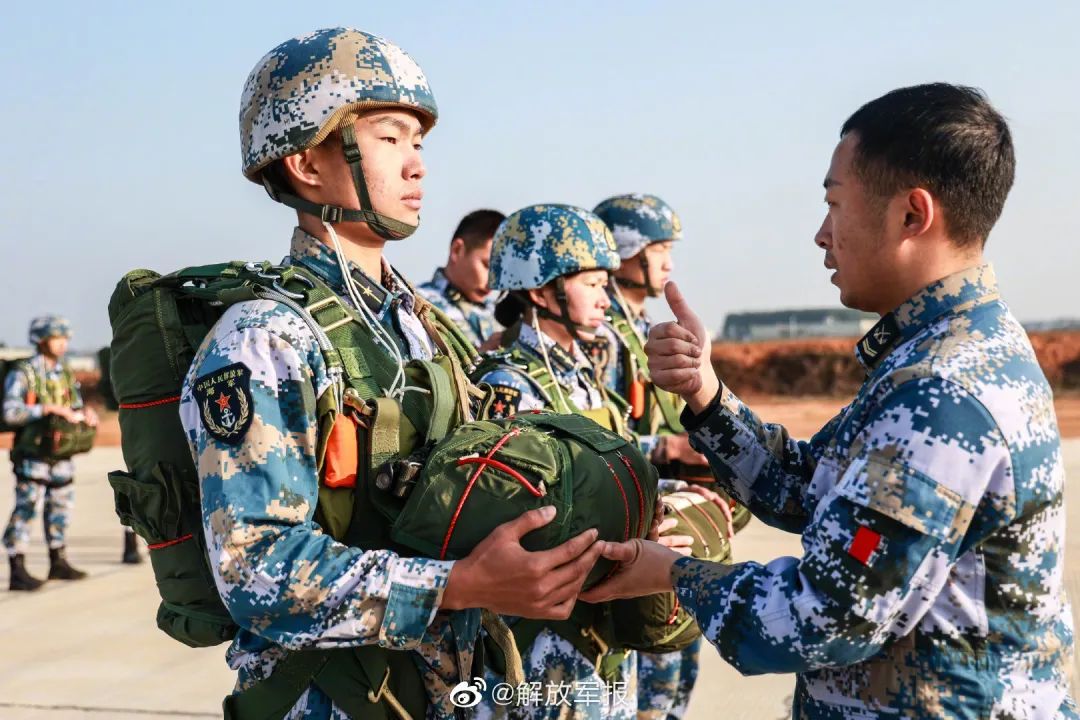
{"points": [[668, 627], [427, 479]]}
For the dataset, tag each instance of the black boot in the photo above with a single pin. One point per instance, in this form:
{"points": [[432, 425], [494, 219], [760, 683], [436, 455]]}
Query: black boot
{"points": [[59, 568], [131, 549], [20, 579]]}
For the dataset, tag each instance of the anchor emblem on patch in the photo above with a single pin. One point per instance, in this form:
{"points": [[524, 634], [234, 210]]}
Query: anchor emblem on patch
{"points": [[224, 398]]}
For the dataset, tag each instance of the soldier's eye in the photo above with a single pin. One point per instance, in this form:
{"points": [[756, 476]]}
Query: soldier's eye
{"points": [[418, 147], [391, 140]]}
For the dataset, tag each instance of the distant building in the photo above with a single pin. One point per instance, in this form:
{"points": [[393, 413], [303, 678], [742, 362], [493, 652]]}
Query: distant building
{"points": [[804, 323], [1056, 324]]}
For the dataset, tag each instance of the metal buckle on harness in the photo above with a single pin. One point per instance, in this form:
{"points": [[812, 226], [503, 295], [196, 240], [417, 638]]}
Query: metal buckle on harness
{"points": [[384, 693], [331, 214], [589, 633], [326, 302]]}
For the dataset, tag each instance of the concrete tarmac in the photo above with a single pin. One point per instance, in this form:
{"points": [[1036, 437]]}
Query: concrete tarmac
{"points": [[90, 649]]}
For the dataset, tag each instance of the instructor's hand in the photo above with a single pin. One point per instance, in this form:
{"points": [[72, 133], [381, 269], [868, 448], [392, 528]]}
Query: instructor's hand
{"points": [[645, 569], [679, 360]]}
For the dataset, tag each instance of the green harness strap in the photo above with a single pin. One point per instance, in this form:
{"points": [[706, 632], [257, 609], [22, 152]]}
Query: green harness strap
{"points": [[637, 364], [580, 631], [610, 416], [393, 685], [391, 680]]}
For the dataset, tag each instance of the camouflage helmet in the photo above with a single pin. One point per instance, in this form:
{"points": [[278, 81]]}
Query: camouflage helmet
{"points": [[637, 220], [46, 326], [308, 87], [540, 243]]}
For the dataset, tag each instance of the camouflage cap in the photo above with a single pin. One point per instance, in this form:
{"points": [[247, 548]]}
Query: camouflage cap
{"points": [[47, 326], [637, 220], [303, 90], [539, 243]]}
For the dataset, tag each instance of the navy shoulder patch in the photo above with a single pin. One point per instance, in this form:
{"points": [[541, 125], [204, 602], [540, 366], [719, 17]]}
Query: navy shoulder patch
{"points": [[505, 401], [225, 403]]}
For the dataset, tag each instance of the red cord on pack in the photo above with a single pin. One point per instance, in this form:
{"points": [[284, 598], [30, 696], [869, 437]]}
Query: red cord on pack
{"points": [[505, 468], [483, 462], [169, 543], [640, 494], [626, 502], [152, 403], [674, 613]]}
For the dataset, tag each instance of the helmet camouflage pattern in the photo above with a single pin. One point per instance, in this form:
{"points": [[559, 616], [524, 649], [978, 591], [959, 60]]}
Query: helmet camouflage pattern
{"points": [[46, 326], [303, 89], [637, 220], [539, 243]]}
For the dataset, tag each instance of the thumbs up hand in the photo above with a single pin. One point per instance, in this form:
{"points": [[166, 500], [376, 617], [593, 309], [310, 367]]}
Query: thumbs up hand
{"points": [[679, 360]]}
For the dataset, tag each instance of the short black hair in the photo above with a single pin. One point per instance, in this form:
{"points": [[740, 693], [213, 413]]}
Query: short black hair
{"points": [[278, 177], [478, 227], [946, 138]]}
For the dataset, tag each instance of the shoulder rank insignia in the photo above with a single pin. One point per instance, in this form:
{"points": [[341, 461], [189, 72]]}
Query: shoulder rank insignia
{"points": [[225, 403]]}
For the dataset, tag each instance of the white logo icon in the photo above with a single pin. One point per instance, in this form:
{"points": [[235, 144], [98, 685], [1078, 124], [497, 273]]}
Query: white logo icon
{"points": [[468, 694]]}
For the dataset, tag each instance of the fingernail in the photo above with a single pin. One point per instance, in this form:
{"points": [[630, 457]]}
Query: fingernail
{"points": [[547, 512]]}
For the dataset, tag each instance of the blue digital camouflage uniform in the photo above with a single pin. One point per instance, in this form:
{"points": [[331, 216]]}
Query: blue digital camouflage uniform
{"points": [[932, 521], [37, 479], [477, 321], [286, 583]]}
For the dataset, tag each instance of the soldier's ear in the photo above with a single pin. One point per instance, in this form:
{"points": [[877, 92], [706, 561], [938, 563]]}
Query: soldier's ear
{"points": [[457, 249], [302, 169], [537, 298]]}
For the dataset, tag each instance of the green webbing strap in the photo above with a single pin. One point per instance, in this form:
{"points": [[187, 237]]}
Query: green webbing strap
{"points": [[563, 405], [385, 431], [668, 408], [442, 400], [357, 680], [638, 361]]}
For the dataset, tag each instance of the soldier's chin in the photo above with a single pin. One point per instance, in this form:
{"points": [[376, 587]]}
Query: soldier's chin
{"points": [[587, 334]]}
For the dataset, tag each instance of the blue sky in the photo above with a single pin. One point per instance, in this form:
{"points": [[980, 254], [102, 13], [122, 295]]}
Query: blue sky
{"points": [[120, 132]]}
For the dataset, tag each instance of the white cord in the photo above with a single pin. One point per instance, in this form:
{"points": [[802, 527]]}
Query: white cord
{"points": [[380, 333], [542, 338]]}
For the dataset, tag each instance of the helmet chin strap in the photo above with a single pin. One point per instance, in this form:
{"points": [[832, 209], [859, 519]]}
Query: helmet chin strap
{"points": [[650, 290], [384, 226], [563, 318]]}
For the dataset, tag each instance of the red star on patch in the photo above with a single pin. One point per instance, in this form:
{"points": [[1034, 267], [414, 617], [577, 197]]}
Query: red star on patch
{"points": [[222, 402], [499, 406]]}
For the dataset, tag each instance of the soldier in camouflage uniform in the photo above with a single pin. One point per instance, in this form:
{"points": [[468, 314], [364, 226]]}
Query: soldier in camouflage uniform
{"points": [[555, 260], [39, 386], [331, 124], [460, 288], [930, 508]]}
